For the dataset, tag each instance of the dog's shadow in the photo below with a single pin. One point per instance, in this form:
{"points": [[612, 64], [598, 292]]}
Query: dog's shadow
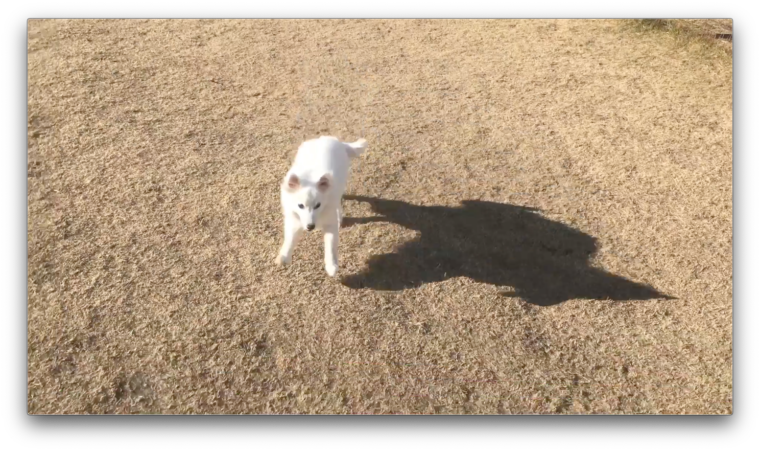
{"points": [[543, 261]]}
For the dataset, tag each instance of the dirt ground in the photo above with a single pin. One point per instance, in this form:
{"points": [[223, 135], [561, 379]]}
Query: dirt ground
{"points": [[542, 222]]}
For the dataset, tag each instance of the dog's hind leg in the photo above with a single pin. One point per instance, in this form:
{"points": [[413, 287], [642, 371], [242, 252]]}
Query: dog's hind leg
{"points": [[331, 249], [293, 232]]}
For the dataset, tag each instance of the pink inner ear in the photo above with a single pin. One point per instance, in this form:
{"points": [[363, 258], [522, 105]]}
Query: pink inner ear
{"points": [[323, 183], [293, 181]]}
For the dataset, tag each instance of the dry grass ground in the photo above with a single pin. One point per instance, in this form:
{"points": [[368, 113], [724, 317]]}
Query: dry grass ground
{"points": [[709, 34], [542, 223]]}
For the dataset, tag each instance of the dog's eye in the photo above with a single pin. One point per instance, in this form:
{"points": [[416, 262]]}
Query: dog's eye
{"points": [[317, 206], [300, 206]]}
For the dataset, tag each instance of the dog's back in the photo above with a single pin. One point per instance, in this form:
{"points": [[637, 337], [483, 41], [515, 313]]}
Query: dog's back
{"points": [[327, 154]]}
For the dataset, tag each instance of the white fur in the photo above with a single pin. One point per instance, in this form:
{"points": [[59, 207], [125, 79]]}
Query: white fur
{"points": [[316, 179]]}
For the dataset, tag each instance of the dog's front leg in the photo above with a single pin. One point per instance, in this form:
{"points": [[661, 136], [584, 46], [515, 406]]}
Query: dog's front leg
{"points": [[331, 249], [293, 231]]}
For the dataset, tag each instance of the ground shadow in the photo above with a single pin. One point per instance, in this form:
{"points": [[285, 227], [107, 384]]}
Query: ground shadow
{"points": [[544, 261]]}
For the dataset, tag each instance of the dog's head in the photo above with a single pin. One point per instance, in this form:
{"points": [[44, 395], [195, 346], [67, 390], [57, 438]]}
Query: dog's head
{"points": [[305, 198]]}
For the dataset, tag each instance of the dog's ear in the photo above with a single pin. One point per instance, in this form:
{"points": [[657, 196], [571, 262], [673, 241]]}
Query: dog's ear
{"points": [[292, 182], [325, 182]]}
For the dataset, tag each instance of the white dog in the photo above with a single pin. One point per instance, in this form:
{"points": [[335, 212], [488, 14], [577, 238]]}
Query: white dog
{"points": [[311, 194]]}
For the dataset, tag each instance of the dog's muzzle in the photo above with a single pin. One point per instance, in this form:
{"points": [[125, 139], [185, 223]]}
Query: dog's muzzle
{"points": [[309, 226]]}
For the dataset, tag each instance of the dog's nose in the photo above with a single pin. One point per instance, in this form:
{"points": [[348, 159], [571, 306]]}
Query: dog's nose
{"points": [[309, 226]]}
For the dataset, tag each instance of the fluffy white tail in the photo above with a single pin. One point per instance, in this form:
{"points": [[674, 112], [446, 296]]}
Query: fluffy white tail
{"points": [[356, 148]]}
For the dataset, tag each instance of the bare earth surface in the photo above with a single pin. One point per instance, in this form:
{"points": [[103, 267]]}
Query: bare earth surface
{"points": [[542, 222]]}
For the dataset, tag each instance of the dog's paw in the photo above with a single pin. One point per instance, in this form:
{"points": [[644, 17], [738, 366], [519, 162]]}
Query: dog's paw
{"points": [[282, 260], [331, 269]]}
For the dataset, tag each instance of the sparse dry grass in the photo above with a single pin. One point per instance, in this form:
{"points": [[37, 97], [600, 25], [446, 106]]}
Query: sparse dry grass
{"points": [[545, 227], [708, 35]]}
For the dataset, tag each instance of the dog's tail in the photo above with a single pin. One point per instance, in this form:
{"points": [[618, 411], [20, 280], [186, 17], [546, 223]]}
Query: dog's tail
{"points": [[356, 148]]}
